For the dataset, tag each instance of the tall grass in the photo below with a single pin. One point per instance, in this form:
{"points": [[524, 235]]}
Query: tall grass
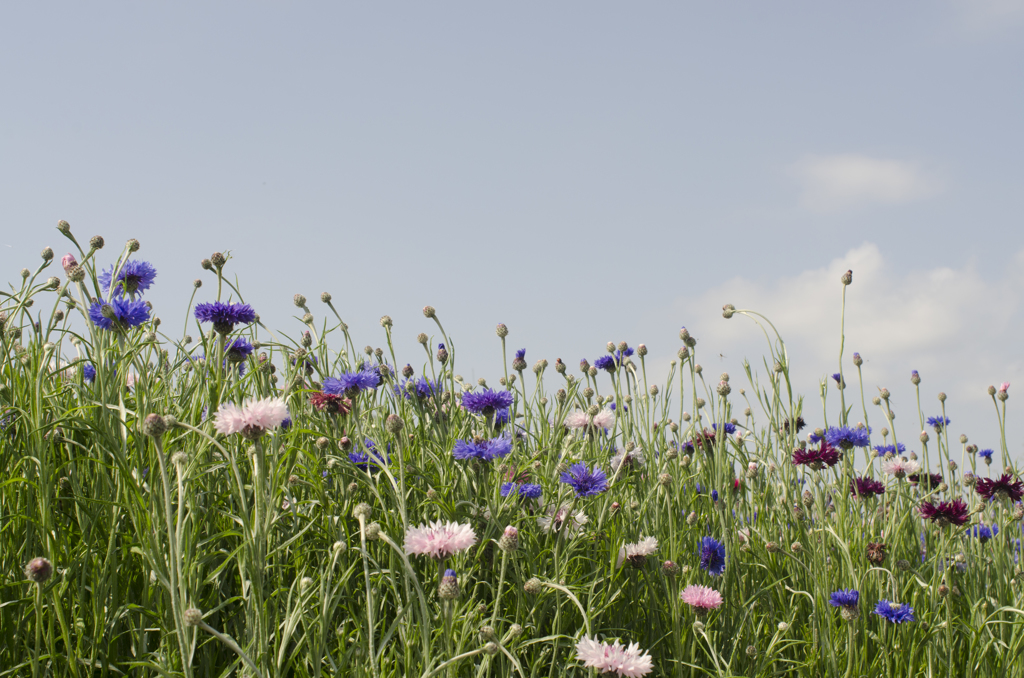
{"points": [[190, 553]]}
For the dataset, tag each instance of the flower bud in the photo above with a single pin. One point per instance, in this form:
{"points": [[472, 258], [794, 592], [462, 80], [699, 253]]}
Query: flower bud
{"points": [[924, 436], [942, 397], [193, 616], [857, 360], [448, 589], [728, 310], [361, 510], [218, 259], [393, 424], [533, 586], [38, 570], [847, 278], [153, 425], [429, 312], [509, 540]]}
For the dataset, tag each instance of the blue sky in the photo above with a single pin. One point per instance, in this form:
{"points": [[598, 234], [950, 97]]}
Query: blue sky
{"points": [[583, 172]]}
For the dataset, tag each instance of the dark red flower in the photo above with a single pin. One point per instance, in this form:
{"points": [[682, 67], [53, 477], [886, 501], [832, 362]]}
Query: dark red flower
{"points": [[866, 487], [947, 512], [1006, 486], [825, 455], [330, 403]]}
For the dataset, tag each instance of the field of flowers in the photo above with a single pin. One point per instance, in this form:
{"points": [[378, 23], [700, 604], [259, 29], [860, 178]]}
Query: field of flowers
{"points": [[244, 502]]}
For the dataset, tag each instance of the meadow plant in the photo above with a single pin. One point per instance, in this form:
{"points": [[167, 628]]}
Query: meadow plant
{"points": [[286, 505]]}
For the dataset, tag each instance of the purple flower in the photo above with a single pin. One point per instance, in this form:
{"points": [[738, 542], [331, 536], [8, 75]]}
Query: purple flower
{"points": [[925, 480], [838, 379], [525, 490], [238, 350], [584, 481], [728, 427], [521, 354], [88, 373], [894, 612], [984, 532], [606, 363], [421, 388], [486, 402], [370, 461], [844, 598], [126, 313], [351, 383], [224, 316], [897, 449], [484, 450], [712, 556], [847, 437], [986, 455], [938, 423], [866, 487], [133, 277]]}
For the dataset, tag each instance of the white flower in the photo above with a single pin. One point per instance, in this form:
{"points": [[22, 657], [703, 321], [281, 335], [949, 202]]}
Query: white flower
{"points": [[557, 518], [899, 467], [615, 659], [637, 553]]}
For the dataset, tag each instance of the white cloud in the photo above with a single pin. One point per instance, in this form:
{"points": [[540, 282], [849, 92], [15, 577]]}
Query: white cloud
{"points": [[837, 182], [958, 328]]}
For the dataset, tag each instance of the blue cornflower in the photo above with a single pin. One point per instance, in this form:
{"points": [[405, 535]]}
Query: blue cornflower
{"points": [[286, 424], [839, 380], [525, 490], [606, 363], [845, 598], [612, 407], [894, 612], [486, 402], [238, 350], [938, 423], [712, 556], [984, 532], [351, 383], [88, 373], [133, 277], [847, 437], [521, 354], [727, 427], [485, 450], [986, 455], [622, 355], [127, 313], [714, 495], [897, 449], [371, 460], [224, 316], [584, 481], [421, 388]]}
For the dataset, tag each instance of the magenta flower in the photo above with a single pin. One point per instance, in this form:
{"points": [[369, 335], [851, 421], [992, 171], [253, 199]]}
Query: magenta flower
{"points": [[702, 598], [439, 540], [252, 419], [615, 659], [866, 487], [825, 455]]}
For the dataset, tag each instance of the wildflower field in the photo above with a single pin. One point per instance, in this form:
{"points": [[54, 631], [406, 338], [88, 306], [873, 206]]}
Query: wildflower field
{"points": [[246, 501]]}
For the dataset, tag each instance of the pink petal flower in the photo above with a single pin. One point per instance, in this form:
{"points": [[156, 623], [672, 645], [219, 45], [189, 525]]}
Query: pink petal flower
{"points": [[629, 662], [1004, 386], [439, 540], [252, 419], [701, 597]]}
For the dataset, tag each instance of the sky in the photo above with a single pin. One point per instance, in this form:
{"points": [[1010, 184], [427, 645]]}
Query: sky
{"points": [[583, 172]]}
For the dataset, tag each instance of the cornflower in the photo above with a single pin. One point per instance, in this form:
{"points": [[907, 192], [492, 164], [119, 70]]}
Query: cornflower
{"points": [[637, 553], [119, 314], [584, 481], [938, 423], [946, 512], [484, 450], [615, 659], [866, 487], [352, 384], [846, 600], [712, 556], [224, 316], [439, 540], [848, 437], [133, 277], [817, 459], [252, 419], [703, 598], [486, 402], [894, 612], [1005, 487]]}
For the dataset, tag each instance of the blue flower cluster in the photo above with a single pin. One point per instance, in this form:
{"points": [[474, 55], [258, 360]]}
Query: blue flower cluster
{"points": [[134, 277], [938, 423], [525, 490], [897, 449], [486, 402], [484, 450], [371, 460], [351, 383], [727, 427], [422, 388], [845, 598], [123, 314], [894, 612], [224, 316], [712, 556], [847, 437], [584, 481]]}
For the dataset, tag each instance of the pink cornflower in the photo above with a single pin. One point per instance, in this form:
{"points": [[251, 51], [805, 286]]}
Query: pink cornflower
{"points": [[701, 597], [252, 419], [637, 553], [1004, 386], [899, 467], [68, 262], [580, 419], [614, 659], [439, 540]]}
